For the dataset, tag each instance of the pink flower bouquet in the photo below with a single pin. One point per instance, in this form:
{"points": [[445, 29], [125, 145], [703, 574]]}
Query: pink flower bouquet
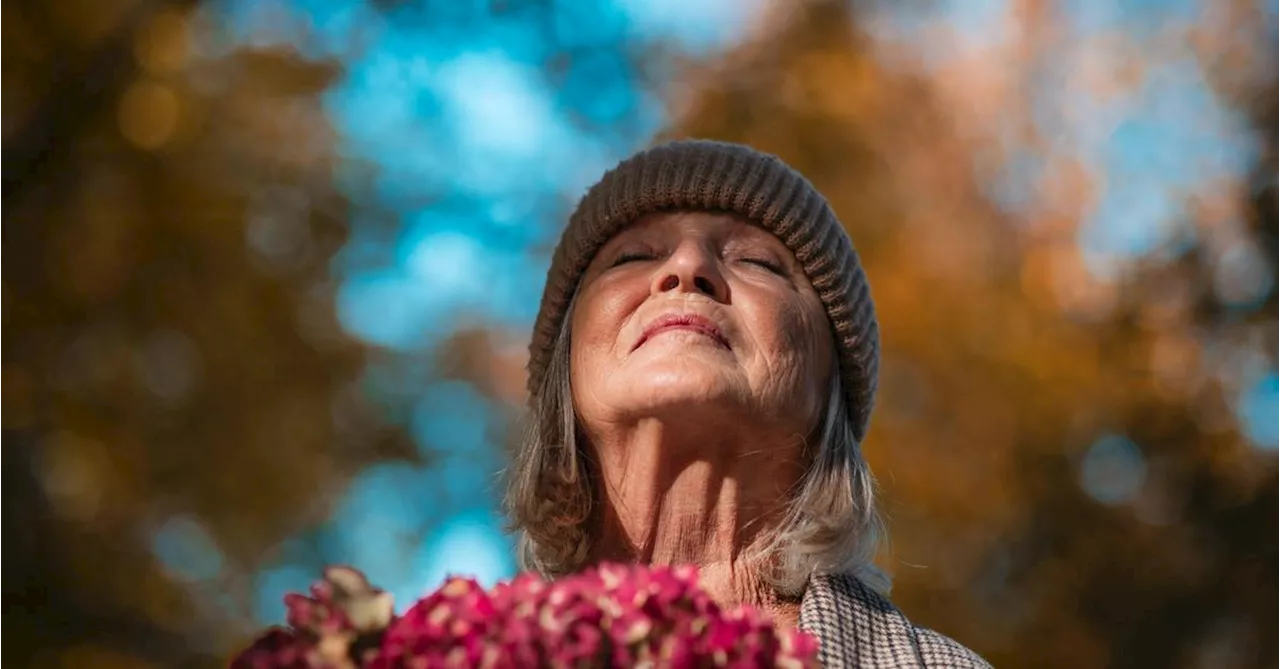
{"points": [[610, 616]]}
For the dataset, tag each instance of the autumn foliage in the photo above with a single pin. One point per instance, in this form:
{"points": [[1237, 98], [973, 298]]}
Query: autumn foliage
{"points": [[172, 356], [1006, 360]]}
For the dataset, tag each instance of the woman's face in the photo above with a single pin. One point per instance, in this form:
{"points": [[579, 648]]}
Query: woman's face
{"points": [[700, 316]]}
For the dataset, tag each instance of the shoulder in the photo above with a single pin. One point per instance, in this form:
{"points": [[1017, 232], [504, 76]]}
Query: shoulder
{"points": [[938, 650], [858, 627]]}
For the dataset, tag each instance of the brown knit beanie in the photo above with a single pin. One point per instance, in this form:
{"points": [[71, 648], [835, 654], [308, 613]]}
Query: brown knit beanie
{"points": [[701, 175]]}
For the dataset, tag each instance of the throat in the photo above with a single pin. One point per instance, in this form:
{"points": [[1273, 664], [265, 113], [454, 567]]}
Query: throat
{"points": [[710, 500], [702, 519]]}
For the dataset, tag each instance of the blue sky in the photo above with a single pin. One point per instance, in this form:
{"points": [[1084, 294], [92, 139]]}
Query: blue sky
{"points": [[476, 156]]}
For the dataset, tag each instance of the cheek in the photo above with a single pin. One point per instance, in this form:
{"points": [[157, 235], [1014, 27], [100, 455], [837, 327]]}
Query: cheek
{"points": [[785, 332], [584, 355], [603, 311], [599, 317], [797, 349], [584, 348]]}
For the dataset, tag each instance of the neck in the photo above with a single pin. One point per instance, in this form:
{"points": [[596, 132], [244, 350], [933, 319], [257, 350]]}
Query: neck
{"points": [[699, 497]]}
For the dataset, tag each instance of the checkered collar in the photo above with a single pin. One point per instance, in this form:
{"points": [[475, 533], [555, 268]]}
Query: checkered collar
{"points": [[857, 627]]}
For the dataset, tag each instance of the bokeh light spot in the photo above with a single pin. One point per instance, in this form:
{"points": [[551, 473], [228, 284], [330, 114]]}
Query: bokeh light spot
{"points": [[162, 47], [386, 507], [450, 425], [72, 470], [384, 308], [184, 547], [1113, 470], [446, 262], [148, 114], [169, 365], [273, 584], [1259, 412], [470, 544], [700, 27], [498, 103], [1241, 276]]}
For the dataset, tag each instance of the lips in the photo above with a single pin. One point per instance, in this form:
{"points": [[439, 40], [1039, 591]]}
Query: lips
{"points": [[688, 322]]}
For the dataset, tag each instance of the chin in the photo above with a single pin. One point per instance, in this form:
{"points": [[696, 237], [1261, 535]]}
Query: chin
{"points": [[679, 387]]}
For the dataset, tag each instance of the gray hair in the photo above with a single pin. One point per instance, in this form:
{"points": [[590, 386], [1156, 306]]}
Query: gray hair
{"points": [[829, 525]]}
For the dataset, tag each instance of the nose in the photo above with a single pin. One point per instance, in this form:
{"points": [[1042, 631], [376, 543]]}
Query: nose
{"points": [[691, 269]]}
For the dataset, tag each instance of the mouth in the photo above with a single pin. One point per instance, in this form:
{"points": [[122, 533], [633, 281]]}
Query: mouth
{"points": [[686, 322]]}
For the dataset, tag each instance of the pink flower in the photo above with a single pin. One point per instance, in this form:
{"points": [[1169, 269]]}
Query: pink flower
{"points": [[609, 616]]}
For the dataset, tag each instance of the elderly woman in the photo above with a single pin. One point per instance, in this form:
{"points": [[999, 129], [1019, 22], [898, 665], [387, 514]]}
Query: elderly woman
{"points": [[702, 371]]}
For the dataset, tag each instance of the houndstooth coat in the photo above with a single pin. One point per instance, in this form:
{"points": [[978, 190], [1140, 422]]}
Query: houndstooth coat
{"points": [[857, 627]]}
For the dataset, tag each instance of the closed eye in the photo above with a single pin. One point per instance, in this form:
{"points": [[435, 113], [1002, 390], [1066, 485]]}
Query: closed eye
{"points": [[630, 257], [765, 263]]}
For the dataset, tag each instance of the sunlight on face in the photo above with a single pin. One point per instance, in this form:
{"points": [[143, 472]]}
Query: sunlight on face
{"points": [[699, 316]]}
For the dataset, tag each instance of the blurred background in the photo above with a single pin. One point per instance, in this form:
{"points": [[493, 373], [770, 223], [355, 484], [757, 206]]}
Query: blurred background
{"points": [[270, 267]]}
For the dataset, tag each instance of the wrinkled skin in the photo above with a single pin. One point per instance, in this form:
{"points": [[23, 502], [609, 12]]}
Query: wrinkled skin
{"points": [[699, 429], [773, 375]]}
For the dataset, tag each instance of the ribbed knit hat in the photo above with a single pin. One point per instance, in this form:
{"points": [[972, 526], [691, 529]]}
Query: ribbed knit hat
{"points": [[701, 175]]}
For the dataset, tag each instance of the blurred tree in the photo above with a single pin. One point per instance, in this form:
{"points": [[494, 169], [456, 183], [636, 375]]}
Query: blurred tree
{"points": [[1067, 484], [178, 397]]}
